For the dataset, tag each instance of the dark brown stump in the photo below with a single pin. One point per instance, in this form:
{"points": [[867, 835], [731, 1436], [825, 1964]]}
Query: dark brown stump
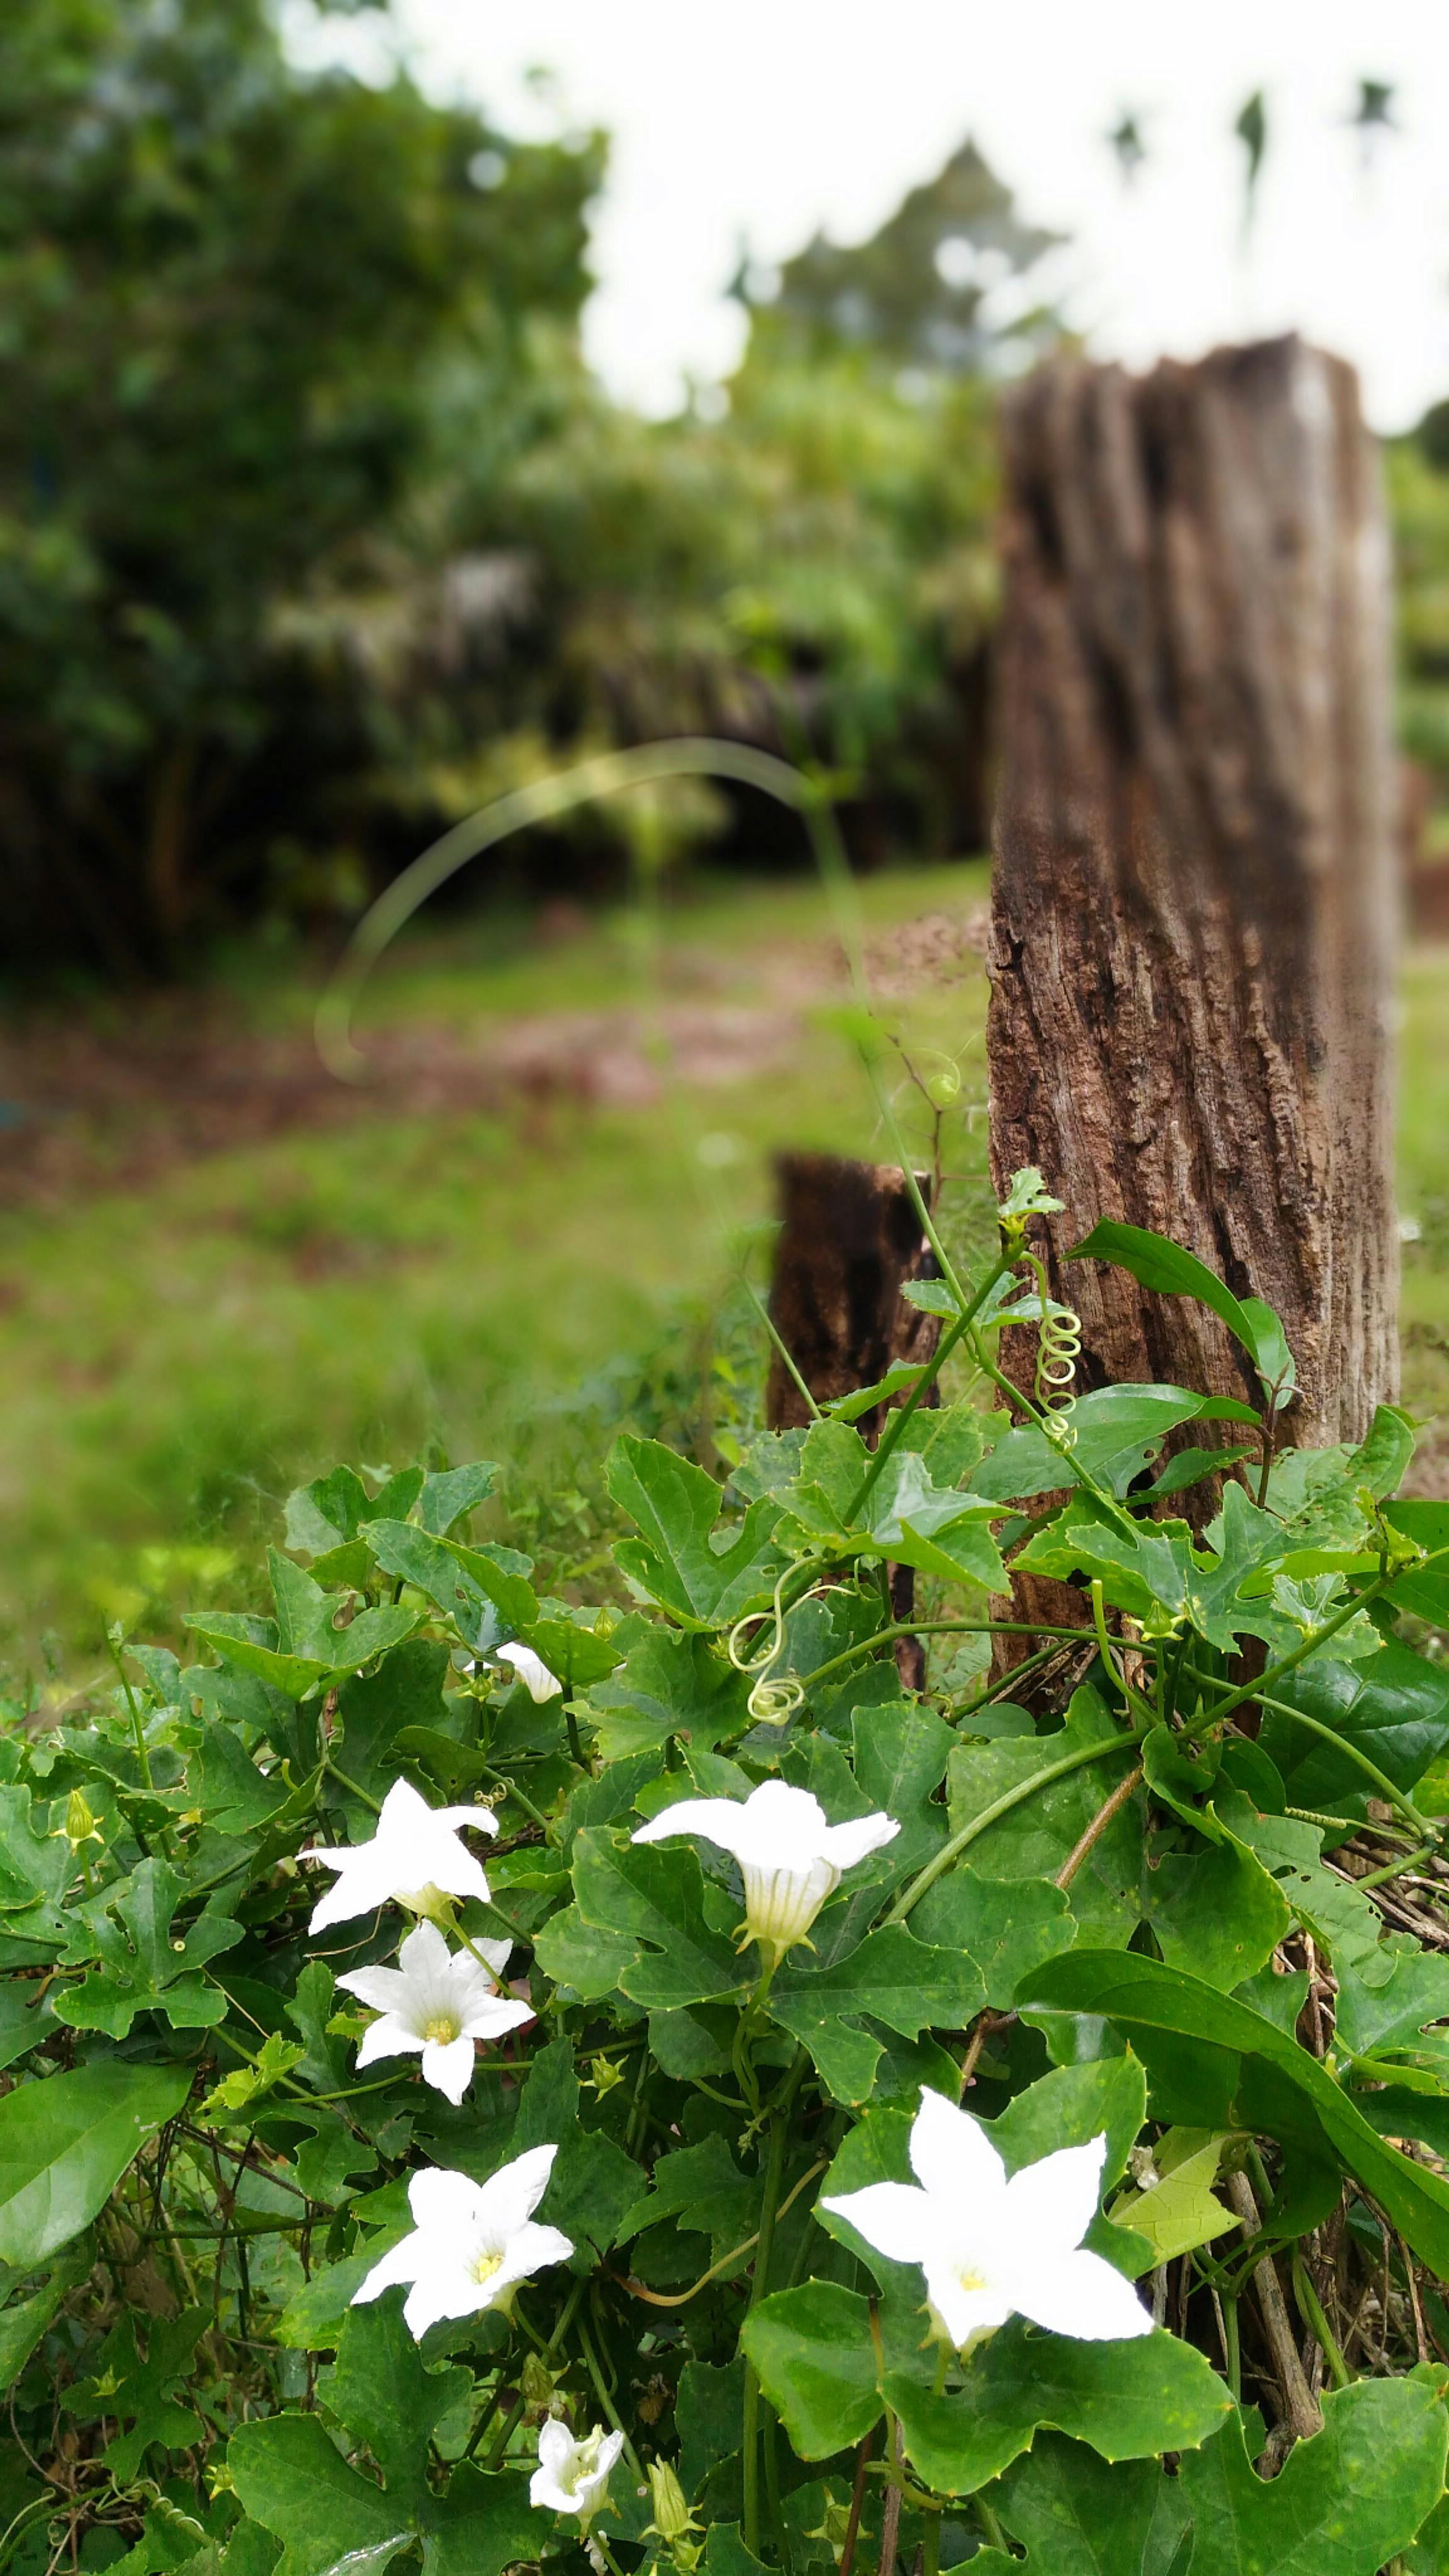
{"points": [[1194, 901], [849, 1238]]}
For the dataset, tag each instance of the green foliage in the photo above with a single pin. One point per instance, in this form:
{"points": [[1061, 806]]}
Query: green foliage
{"points": [[1081, 1913]]}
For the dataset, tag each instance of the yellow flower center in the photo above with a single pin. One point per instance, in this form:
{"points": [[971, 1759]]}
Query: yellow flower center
{"points": [[970, 2280], [484, 2266], [442, 2027]]}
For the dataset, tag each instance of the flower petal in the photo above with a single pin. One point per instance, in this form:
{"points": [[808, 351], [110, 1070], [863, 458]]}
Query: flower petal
{"points": [[444, 2203], [491, 2015], [556, 2445], [851, 1842], [441, 2291], [481, 1818], [382, 1988], [720, 1820], [894, 2217], [424, 1954], [354, 1891], [448, 2065], [965, 2312], [400, 2263], [532, 1671], [509, 2197], [529, 2249], [1080, 2295], [386, 2038], [1050, 2205], [951, 2153]]}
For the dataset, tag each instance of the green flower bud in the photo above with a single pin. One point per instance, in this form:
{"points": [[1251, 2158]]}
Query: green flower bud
{"points": [[80, 1823], [673, 2521]]}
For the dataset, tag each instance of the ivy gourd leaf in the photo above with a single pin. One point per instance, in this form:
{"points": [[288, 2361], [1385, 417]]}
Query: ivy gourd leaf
{"points": [[899, 1756], [681, 1923], [703, 2190], [406, 1690], [573, 1654], [138, 2390], [301, 1648], [468, 1584], [34, 1866], [1425, 1589], [142, 1968], [669, 1684], [894, 1979], [583, 1957], [815, 2358], [448, 1496], [678, 1561], [1178, 2209], [1128, 2400], [1033, 1839], [1215, 1910], [1008, 1926], [1170, 1270], [233, 1794], [1344, 2502], [66, 2140], [1238, 2063], [379, 2389], [293, 2480], [905, 1515], [327, 1513], [1115, 1429], [24, 2321], [1387, 2014], [1396, 1710]]}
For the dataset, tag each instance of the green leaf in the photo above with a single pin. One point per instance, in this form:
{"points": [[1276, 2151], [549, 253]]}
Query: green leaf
{"points": [[326, 1513], [894, 1979], [1128, 2400], [24, 2322], [816, 2362], [1344, 2502], [1234, 2064], [1008, 1926], [139, 2390], [405, 1691], [862, 1399], [142, 1967], [379, 2389], [581, 1956], [1179, 2211], [66, 2140], [293, 2481], [22, 2020], [33, 1865], [483, 2524], [1115, 1429], [1169, 1270], [680, 1922], [1032, 1840], [1215, 1911], [246, 2084], [1426, 1591], [468, 1584], [233, 1794], [1396, 1710], [678, 1561], [669, 1684], [449, 1496], [1384, 2003]]}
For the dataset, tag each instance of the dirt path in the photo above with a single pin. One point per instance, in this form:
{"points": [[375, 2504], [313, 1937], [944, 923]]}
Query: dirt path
{"points": [[86, 1107]]}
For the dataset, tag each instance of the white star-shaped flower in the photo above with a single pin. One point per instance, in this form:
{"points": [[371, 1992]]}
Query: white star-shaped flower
{"points": [[439, 2001], [790, 1858], [414, 1859], [532, 1671], [571, 2476], [472, 2243], [991, 2249]]}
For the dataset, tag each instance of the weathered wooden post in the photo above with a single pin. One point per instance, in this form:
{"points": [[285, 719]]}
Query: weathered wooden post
{"points": [[1194, 905]]}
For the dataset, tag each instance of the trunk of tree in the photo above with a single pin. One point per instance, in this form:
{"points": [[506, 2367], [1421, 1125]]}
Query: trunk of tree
{"points": [[1194, 900], [849, 1237]]}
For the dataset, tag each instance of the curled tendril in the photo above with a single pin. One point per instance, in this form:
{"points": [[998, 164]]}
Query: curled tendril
{"points": [[1059, 1347], [770, 1703]]}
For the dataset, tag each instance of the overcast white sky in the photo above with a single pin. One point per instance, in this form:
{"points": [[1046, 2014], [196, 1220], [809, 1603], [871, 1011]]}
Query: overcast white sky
{"points": [[771, 117]]}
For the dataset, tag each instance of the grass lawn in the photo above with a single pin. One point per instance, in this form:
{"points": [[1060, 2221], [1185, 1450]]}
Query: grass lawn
{"points": [[507, 1281]]}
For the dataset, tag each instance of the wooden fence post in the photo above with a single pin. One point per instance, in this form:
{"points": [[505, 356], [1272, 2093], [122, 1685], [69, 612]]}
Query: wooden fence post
{"points": [[1193, 913]]}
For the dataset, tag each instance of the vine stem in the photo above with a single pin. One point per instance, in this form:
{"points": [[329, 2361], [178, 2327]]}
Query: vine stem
{"points": [[951, 1851], [1109, 1808], [750, 2413]]}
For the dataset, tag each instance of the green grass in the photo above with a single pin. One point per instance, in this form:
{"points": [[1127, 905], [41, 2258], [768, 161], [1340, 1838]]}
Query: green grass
{"points": [[174, 1358]]}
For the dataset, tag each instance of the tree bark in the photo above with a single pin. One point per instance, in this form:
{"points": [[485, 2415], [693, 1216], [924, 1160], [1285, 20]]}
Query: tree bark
{"points": [[1194, 900], [849, 1238]]}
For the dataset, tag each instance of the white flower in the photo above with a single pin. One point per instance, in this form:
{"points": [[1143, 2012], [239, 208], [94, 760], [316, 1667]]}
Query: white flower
{"points": [[438, 2001], [571, 2476], [532, 1671], [414, 1857], [472, 2243], [989, 2248], [789, 1857]]}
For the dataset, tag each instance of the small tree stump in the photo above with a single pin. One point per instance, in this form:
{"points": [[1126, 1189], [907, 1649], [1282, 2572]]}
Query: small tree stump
{"points": [[1194, 898], [849, 1238]]}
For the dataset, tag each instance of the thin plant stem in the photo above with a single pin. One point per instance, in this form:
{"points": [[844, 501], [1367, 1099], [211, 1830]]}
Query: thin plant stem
{"points": [[951, 1851], [1109, 1808], [750, 2415], [1310, 2308]]}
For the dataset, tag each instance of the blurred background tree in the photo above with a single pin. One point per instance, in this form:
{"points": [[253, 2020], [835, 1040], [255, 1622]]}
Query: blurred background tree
{"points": [[315, 529]]}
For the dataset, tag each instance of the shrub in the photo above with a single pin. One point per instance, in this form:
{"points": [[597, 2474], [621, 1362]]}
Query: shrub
{"points": [[631, 2209]]}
